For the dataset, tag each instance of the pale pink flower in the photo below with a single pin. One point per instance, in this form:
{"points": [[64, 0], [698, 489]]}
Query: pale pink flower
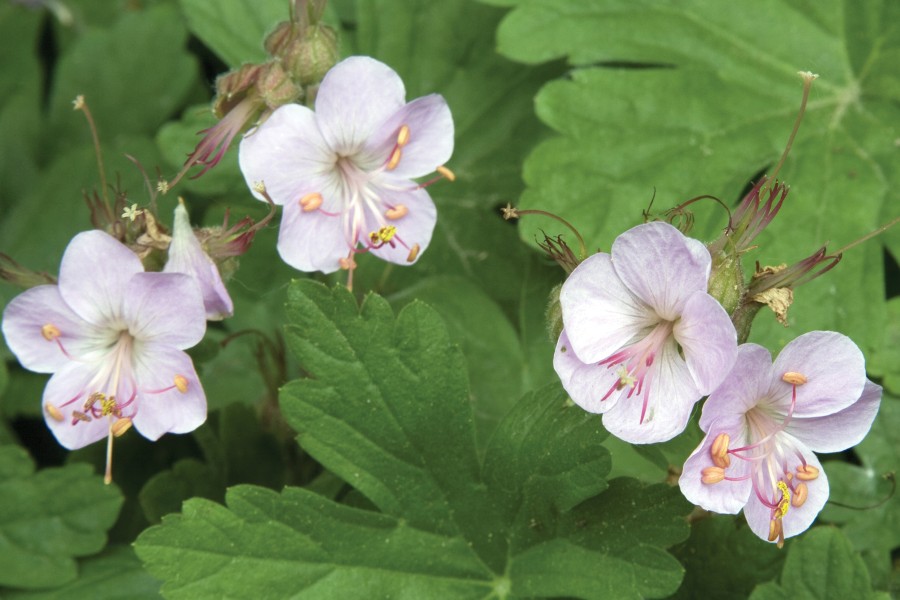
{"points": [[344, 173]]}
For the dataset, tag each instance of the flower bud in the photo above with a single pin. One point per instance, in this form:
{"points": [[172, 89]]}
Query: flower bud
{"points": [[726, 278], [275, 86], [232, 87], [553, 314], [311, 55], [277, 42]]}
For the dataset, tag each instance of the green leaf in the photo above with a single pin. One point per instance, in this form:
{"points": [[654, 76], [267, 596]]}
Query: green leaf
{"points": [[820, 565], [48, 518], [385, 407], [715, 111], [115, 574], [234, 29], [135, 93], [886, 362], [875, 524], [725, 560], [448, 48], [489, 342]]}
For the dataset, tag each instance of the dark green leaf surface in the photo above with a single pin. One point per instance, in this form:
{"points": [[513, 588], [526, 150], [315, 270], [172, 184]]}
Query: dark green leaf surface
{"points": [[114, 575], [48, 518], [386, 408], [821, 565], [234, 29], [716, 111]]}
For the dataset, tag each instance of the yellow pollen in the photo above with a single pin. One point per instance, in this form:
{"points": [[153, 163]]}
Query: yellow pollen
{"points": [[785, 502], [413, 253], [394, 160], [807, 472], [54, 412], [719, 451], [711, 475], [347, 264], [311, 202], [403, 136], [259, 186], [81, 416], [794, 378], [447, 173], [108, 406], [383, 235], [398, 212], [624, 378], [181, 383], [50, 332], [800, 494], [121, 426]]}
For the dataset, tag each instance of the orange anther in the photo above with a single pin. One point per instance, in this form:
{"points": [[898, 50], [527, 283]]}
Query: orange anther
{"points": [[121, 426], [181, 383], [50, 332], [413, 253], [711, 475], [807, 472], [801, 492], [396, 212], [719, 451], [53, 412], [311, 202], [794, 378], [403, 136], [394, 160], [447, 173]]}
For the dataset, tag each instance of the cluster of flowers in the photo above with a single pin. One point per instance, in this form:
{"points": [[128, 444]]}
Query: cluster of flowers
{"points": [[113, 336], [643, 341]]}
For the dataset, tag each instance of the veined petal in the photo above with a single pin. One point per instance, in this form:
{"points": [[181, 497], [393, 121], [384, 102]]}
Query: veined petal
{"points": [[727, 497], [186, 256], [312, 241], [66, 391], [709, 340], [356, 97], [798, 519], [166, 308], [586, 384], [93, 275], [746, 383], [416, 227], [164, 408], [600, 314], [430, 128], [288, 154], [38, 314], [671, 394], [661, 266], [833, 366], [841, 430]]}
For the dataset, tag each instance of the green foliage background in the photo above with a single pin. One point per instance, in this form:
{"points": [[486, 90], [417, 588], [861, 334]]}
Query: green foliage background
{"points": [[412, 441]]}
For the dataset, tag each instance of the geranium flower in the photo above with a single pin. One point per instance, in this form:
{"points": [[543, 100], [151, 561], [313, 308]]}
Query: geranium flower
{"points": [[344, 172], [764, 423], [187, 256], [642, 340], [113, 336]]}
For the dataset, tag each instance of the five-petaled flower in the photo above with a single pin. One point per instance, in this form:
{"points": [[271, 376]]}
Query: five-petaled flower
{"points": [[642, 338], [113, 337], [344, 172], [764, 423]]}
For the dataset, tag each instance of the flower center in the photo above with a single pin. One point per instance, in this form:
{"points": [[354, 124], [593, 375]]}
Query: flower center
{"points": [[776, 485], [102, 396], [634, 364]]}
